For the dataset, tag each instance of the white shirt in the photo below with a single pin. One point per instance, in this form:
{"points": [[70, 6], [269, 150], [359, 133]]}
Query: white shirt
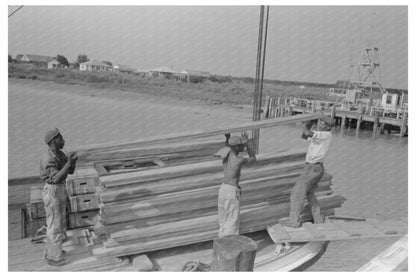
{"points": [[319, 147]]}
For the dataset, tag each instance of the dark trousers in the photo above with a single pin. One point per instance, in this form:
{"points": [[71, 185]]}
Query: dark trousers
{"points": [[305, 187]]}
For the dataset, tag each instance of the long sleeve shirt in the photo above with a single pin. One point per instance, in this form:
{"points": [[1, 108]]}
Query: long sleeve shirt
{"points": [[51, 164]]}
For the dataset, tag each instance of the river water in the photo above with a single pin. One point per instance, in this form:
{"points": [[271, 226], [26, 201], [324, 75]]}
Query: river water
{"points": [[371, 172]]}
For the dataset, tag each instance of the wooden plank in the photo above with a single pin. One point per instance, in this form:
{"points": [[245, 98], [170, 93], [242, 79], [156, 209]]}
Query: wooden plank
{"points": [[252, 219], [151, 188], [116, 180], [171, 151], [278, 232], [390, 259], [312, 229], [204, 133], [329, 232], [254, 191]]}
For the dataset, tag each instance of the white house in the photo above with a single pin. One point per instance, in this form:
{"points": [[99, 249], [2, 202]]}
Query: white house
{"points": [[94, 65], [53, 64]]}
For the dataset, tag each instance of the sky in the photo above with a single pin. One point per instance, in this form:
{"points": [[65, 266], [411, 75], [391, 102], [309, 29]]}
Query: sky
{"points": [[305, 43]]}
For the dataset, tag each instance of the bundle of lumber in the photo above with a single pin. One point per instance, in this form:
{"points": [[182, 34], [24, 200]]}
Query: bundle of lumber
{"points": [[162, 192], [165, 207]]}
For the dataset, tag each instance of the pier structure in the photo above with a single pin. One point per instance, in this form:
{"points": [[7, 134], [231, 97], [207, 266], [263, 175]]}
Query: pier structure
{"points": [[381, 119]]}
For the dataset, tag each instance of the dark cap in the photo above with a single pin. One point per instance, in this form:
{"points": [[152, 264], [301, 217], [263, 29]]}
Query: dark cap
{"points": [[51, 134]]}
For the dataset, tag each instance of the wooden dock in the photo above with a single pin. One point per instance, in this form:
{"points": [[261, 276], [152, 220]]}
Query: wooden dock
{"points": [[382, 119]]}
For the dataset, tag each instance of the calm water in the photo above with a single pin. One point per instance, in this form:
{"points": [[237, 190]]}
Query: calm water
{"points": [[370, 172]]}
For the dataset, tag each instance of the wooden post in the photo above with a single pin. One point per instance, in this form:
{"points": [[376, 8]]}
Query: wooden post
{"points": [[359, 119], [326, 105], [267, 108], [233, 253], [276, 112], [376, 122], [279, 100], [404, 124], [313, 106], [344, 119], [290, 110], [381, 128], [333, 112]]}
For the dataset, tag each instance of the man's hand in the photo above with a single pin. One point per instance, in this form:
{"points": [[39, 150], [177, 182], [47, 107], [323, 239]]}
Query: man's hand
{"points": [[244, 137], [73, 157], [227, 136]]}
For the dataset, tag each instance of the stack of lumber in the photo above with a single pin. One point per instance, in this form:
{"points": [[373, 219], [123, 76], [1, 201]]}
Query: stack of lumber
{"points": [[162, 192], [166, 207]]}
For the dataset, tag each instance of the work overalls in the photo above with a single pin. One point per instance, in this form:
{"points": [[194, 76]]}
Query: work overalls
{"points": [[54, 199]]}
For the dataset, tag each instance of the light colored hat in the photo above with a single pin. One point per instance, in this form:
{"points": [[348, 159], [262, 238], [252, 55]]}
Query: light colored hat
{"points": [[51, 134], [235, 141]]}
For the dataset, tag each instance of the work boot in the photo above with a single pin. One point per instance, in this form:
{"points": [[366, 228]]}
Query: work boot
{"points": [[56, 263]]}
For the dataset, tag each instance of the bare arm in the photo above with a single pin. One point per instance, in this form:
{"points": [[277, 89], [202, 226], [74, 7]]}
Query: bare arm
{"points": [[227, 137], [250, 149], [59, 176], [251, 154], [307, 133], [72, 157]]}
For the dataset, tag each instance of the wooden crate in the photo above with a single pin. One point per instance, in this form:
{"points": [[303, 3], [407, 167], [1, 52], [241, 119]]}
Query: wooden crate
{"points": [[85, 219], [84, 202], [29, 227], [35, 210], [83, 181]]}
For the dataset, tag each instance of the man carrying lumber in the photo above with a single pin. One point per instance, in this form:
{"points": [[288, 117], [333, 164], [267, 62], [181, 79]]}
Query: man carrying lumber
{"points": [[54, 168], [230, 191], [308, 181]]}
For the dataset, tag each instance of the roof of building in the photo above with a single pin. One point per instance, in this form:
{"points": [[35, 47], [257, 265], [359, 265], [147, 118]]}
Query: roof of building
{"points": [[96, 63], [54, 61], [164, 69], [196, 72], [123, 67], [38, 58]]}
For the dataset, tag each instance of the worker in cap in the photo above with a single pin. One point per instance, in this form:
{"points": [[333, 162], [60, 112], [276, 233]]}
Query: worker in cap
{"points": [[307, 183], [55, 166], [230, 191]]}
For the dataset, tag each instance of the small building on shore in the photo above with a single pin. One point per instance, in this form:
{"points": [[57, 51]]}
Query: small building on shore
{"points": [[166, 72], [94, 65], [393, 99], [123, 68], [190, 74], [54, 64]]}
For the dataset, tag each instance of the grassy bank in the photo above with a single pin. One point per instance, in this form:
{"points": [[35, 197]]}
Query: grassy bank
{"points": [[215, 91]]}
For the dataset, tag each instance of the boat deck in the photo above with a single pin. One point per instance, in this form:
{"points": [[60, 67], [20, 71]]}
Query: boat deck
{"points": [[25, 256]]}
